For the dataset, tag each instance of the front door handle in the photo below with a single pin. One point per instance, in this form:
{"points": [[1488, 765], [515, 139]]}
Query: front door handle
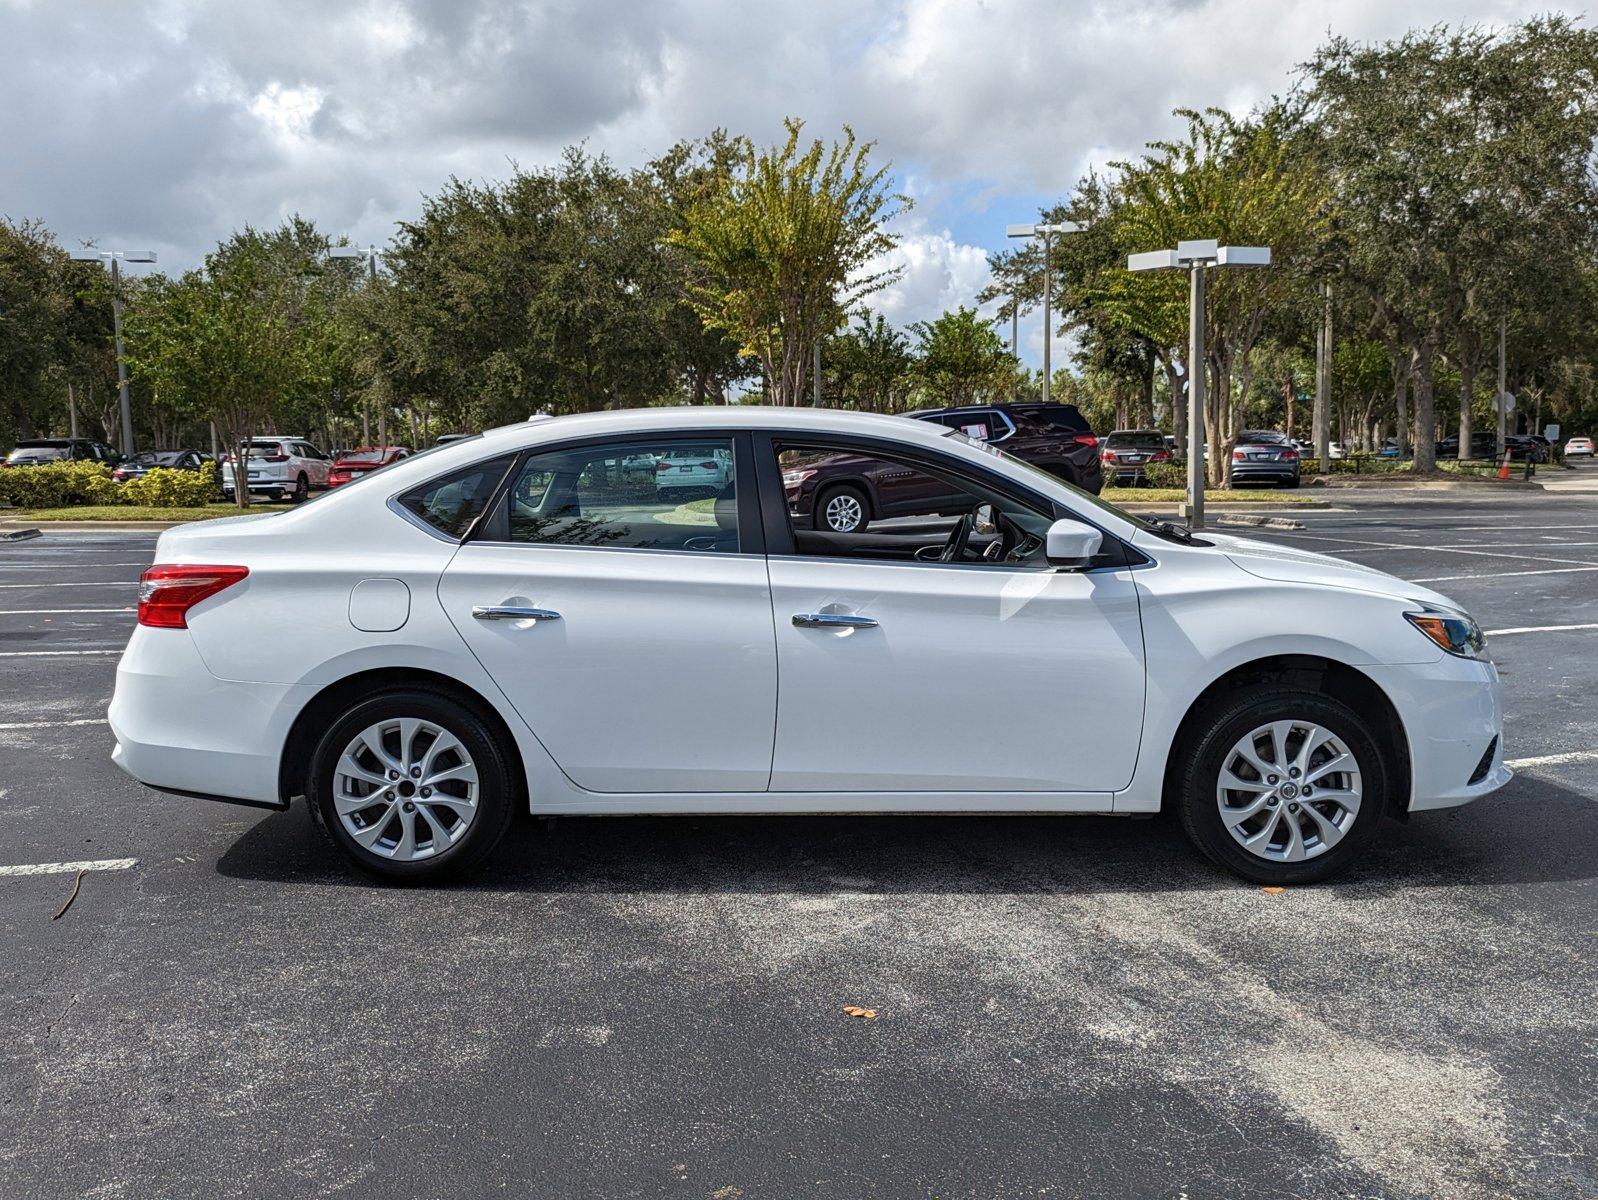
{"points": [[512, 612], [833, 621]]}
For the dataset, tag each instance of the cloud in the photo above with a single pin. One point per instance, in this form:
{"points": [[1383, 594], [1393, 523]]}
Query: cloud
{"points": [[173, 122]]}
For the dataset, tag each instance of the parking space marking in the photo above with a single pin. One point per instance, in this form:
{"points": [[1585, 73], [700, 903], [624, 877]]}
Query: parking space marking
{"points": [[122, 583], [1539, 629], [51, 612], [1504, 574], [54, 653], [5, 725], [1551, 760], [70, 868], [1580, 562]]}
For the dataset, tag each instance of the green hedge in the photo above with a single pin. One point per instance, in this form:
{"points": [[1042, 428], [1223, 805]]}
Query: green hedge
{"points": [[1166, 474], [63, 484]]}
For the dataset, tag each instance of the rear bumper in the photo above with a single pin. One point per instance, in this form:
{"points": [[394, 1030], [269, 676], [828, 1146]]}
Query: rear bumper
{"points": [[1251, 472], [180, 729]]}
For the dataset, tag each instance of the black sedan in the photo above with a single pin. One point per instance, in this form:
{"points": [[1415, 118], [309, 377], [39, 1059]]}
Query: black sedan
{"points": [[1265, 456], [141, 465]]}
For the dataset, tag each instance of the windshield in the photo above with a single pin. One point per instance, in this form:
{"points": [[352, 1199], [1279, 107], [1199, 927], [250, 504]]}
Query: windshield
{"points": [[265, 449]]}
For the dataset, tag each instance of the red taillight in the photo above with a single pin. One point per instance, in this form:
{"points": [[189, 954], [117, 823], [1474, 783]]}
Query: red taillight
{"points": [[1085, 439], [662, 465], [1239, 456], [167, 593], [1288, 455], [276, 458], [1108, 456], [1161, 456], [709, 466]]}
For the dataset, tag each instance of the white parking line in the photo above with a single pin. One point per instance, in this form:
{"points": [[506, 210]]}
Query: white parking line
{"points": [[1552, 760], [51, 612], [70, 868], [52, 653], [1504, 574], [1580, 562], [4, 725], [121, 583], [1538, 629]]}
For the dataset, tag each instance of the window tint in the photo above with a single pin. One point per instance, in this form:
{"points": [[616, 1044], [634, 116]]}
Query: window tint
{"points": [[452, 503], [670, 495]]}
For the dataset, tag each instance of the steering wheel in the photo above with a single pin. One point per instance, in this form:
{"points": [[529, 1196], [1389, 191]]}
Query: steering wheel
{"points": [[954, 548]]}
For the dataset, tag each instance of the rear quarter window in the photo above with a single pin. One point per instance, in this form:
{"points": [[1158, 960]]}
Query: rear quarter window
{"points": [[452, 502]]}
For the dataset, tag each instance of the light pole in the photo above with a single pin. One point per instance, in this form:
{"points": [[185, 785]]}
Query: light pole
{"points": [[1194, 257], [371, 254], [1046, 232], [115, 259]]}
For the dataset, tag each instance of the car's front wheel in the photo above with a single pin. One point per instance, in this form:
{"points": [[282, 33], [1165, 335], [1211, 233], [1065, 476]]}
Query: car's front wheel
{"points": [[842, 510], [1282, 785], [411, 785]]}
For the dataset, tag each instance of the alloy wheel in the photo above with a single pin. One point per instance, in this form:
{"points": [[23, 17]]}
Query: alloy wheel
{"points": [[405, 789], [1289, 791], [843, 513]]}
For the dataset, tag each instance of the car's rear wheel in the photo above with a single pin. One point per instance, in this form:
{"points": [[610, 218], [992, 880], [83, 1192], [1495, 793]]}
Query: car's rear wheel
{"points": [[842, 510], [411, 785], [302, 489], [1282, 785]]}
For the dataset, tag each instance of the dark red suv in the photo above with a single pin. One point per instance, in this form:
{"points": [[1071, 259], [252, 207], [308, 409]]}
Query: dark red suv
{"points": [[844, 493]]}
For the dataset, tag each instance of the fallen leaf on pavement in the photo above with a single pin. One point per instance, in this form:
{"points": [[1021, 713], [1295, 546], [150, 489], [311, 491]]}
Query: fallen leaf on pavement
{"points": [[854, 1010], [1273, 891]]}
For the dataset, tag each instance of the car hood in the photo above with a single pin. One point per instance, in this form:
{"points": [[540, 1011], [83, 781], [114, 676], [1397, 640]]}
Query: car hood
{"points": [[1288, 564]]}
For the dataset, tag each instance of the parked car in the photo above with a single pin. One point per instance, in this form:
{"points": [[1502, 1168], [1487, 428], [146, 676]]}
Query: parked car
{"points": [[31, 452], [691, 470], [1127, 452], [1522, 446], [279, 467], [1264, 456], [1334, 450], [1483, 445], [1578, 447], [1056, 437], [145, 461], [506, 622], [1391, 449], [352, 464]]}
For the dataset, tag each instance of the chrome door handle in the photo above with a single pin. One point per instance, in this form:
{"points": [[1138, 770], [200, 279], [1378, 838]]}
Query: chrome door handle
{"points": [[512, 612], [833, 621]]}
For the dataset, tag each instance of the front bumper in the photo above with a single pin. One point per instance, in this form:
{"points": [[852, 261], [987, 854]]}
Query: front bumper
{"points": [[180, 729], [1452, 711]]}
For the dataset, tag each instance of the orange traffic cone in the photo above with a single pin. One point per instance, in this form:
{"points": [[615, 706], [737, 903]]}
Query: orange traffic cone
{"points": [[1503, 468]]}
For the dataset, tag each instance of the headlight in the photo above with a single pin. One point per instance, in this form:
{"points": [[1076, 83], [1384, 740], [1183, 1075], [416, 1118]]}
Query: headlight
{"points": [[1454, 631]]}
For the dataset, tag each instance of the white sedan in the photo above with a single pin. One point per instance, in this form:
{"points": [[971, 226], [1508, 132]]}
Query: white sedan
{"points": [[1578, 447], [509, 623]]}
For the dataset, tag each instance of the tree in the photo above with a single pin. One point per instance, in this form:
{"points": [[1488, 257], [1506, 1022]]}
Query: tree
{"points": [[1460, 160], [787, 242], [868, 366], [961, 360]]}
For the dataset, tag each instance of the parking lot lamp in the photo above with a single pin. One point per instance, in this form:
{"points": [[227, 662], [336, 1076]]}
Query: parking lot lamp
{"points": [[1046, 232], [1195, 257], [371, 254], [115, 259]]}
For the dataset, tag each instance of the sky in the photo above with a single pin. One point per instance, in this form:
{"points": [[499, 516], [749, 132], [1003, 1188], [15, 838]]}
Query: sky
{"points": [[167, 124]]}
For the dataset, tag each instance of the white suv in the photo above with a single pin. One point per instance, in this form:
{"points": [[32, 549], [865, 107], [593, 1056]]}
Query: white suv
{"points": [[279, 467]]}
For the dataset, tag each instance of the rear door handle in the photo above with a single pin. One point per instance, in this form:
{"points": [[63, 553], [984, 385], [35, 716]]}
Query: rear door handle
{"points": [[833, 621], [512, 612]]}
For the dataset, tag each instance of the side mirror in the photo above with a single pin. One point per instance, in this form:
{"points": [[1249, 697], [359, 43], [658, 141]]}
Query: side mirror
{"points": [[1071, 545]]}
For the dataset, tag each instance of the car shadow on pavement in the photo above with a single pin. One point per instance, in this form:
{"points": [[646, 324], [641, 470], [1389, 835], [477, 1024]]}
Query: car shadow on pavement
{"points": [[1534, 831]]}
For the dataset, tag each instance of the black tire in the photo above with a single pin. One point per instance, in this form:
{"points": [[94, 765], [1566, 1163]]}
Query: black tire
{"points": [[302, 490], [1293, 482], [1201, 757], [495, 795], [274, 497], [823, 499]]}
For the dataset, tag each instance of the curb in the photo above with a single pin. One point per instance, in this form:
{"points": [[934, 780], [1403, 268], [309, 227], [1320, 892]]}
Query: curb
{"points": [[7, 529]]}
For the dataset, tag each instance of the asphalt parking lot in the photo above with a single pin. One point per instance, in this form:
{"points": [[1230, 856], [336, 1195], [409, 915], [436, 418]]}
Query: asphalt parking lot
{"points": [[651, 1007]]}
